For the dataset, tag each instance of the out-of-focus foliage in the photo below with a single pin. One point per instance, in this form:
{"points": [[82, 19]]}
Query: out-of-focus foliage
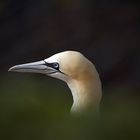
{"points": [[32, 110]]}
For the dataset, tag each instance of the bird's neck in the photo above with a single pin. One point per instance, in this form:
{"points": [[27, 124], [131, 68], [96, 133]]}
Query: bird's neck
{"points": [[86, 94]]}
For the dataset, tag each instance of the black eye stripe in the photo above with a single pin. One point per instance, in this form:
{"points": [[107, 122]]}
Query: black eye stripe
{"points": [[54, 65]]}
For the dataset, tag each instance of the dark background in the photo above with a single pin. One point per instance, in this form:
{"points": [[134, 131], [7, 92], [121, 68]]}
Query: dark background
{"points": [[107, 32]]}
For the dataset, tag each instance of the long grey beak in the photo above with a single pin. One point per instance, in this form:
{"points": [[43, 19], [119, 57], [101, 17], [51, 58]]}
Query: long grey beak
{"points": [[35, 67]]}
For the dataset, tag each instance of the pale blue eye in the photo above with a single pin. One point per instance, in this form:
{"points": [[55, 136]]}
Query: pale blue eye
{"points": [[55, 65]]}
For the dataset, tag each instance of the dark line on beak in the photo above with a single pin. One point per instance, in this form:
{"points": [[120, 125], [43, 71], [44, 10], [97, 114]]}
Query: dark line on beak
{"points": [[29, 69]]}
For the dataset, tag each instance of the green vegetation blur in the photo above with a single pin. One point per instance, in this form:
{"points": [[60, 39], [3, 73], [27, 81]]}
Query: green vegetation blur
{"points": [[36, 107]]}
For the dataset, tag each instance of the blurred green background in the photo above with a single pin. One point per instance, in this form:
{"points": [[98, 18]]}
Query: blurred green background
{"points": [[34, 106]]}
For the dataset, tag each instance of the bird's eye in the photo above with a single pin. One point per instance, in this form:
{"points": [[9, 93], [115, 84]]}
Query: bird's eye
{"points": [[55, 65]]}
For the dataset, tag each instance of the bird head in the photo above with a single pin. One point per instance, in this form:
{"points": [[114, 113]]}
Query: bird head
{"points": [[76, 70], [66, 65]]}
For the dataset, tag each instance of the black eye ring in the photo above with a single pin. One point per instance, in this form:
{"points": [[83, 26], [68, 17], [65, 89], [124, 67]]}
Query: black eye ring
{"points": [[54, 65]]}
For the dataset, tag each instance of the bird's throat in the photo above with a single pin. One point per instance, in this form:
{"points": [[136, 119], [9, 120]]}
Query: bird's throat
{"points": [[85, 96]]}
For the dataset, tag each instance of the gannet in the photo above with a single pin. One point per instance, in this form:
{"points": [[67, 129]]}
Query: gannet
{"points": [[77, 71]]}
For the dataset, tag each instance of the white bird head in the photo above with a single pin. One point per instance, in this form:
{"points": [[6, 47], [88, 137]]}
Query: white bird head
{"points": [[73, 68]]}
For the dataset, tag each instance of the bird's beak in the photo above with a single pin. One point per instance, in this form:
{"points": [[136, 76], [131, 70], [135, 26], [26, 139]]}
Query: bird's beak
{"points": [[35, 67]]}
